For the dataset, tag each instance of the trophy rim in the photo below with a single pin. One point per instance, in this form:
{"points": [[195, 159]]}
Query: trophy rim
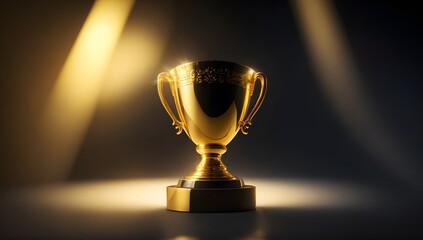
{"points": [[213, 61]]}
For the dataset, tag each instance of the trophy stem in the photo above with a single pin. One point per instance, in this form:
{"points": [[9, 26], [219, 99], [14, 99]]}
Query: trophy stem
{"points": [[211, 188], [211, 166]]}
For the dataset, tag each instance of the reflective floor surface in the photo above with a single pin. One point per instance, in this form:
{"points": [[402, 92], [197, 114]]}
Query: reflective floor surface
{"points": [[135, 209]]}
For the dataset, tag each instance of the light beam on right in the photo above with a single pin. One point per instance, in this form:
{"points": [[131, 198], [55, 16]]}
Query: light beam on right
{"points": [[339, 79]]}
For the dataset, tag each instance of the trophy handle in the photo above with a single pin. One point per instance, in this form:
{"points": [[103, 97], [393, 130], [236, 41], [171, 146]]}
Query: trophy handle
{"points": [[166, 76], [246, 124]]}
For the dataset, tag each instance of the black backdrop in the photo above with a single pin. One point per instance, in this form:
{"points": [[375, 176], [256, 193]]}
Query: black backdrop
{"points": [[296, 133]]}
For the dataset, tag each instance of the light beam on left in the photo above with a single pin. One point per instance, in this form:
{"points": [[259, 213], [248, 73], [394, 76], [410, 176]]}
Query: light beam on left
{"points": [[74, 97]]}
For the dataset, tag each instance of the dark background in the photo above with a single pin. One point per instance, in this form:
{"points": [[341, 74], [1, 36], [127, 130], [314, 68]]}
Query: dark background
{"points": [[369, 137], [296, 133]]}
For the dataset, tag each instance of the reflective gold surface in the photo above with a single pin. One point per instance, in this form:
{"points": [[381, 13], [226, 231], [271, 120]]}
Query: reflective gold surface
{"points": [[211, 200], [212, 99]]}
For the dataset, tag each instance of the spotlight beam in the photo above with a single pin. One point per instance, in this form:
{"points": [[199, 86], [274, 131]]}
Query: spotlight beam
{"points": [[75, 95]]}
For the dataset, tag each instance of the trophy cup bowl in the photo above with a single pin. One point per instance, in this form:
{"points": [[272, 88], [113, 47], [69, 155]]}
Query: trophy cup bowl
{"points": [[212, 100]]}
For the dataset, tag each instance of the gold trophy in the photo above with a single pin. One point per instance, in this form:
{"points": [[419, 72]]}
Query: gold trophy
{"points": [[212, 99]]}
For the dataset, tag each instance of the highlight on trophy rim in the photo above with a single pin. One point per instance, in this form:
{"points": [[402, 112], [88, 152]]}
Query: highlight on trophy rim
{"points": [[212, 101]]}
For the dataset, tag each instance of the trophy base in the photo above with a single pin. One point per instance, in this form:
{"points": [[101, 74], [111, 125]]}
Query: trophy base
{"points": [[182, 199]]}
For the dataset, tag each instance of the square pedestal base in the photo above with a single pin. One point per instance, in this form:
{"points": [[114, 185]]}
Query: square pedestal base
{"points": [[211, 200]]}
